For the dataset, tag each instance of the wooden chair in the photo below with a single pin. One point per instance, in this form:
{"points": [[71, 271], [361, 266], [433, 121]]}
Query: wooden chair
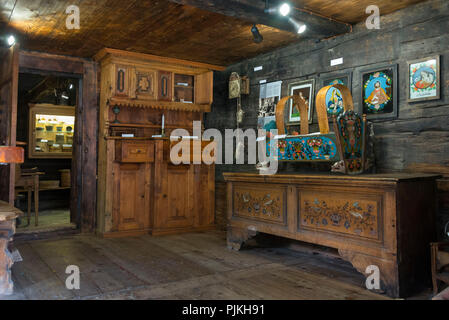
{"points": [[440, 264], [29, 182]]}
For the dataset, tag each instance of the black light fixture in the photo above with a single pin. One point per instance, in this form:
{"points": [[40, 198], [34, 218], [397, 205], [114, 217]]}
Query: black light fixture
{"points": [[257, 37], [284, 10]]}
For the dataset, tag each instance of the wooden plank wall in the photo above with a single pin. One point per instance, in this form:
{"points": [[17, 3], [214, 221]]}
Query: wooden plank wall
{"points": [[417, 140]]}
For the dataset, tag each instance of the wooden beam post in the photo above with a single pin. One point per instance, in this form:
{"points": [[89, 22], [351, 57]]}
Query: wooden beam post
{"points": [[253, 11]]}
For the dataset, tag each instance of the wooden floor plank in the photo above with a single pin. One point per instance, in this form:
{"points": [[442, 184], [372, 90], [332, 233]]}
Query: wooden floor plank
{"points": [[58, 255], [185, 266], [152, 264], [36, 279], [107, 275]]}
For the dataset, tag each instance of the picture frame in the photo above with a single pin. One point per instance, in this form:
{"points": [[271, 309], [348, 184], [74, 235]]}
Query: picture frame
{"points": [[424, 79], [344, 78], [307, 89], [380, 92]]}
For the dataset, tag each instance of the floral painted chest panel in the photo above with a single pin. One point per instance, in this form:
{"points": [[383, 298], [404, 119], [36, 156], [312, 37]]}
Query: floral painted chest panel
{"points": [[264, 204], [341, 213]]}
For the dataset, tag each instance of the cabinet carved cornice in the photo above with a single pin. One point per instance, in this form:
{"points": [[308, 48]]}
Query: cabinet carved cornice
{"points": [[139, 189], [382, 220]]}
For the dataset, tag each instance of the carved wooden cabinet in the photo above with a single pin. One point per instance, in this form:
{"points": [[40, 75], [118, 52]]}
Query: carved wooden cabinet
{"points": [[135, 79], [381, 220], [140, 190]]}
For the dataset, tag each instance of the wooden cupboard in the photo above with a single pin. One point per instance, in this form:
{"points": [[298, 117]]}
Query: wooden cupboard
{"points": [[51, 131], [140, 190]]}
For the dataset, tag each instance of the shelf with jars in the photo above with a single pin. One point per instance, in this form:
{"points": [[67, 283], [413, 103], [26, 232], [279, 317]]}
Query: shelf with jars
{"points": [[51, 129]]}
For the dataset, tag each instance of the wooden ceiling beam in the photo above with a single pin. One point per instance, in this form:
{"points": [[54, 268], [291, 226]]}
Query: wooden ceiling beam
{"points": [[253, 11]]}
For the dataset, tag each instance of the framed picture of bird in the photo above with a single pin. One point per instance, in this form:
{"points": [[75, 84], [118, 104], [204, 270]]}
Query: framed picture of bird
{"points": [[424, 79], [379, 92]]}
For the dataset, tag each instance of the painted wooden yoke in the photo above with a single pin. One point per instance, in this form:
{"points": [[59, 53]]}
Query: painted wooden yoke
{"points": [[346, 143]]}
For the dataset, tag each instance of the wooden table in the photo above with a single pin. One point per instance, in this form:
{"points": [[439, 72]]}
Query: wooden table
{"points": [[8, 215], [378, 220], [29, 182]]}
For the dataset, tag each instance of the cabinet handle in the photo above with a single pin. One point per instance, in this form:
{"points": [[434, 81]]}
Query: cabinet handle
{"points": [[136, 151]]}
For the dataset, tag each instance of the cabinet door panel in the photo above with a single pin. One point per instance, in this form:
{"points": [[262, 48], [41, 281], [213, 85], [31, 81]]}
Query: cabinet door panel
{"points": [[180, 197], [165, 86], [204, 88], [132, 197], [123, 81], [145, 83]]}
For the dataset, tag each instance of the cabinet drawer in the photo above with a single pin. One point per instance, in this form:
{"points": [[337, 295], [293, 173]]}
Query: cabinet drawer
{"points": [[135, 152]]}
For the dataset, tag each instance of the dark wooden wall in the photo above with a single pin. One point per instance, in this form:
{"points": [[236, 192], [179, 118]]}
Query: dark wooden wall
{"points": [[417, 140]]}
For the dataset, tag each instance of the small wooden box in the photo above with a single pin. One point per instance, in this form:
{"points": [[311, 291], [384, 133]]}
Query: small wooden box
{"points": [[134, 151]]}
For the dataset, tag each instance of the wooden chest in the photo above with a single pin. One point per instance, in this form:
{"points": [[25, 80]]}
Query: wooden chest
{"points": [[386, 221]]}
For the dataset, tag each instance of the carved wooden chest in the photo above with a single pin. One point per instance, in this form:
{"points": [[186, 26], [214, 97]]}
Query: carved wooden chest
{"points": [[381, 220]]}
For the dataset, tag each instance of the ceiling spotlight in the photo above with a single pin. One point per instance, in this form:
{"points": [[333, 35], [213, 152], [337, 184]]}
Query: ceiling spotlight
{"points": [[257, 37], [11, 40], [302, 28], [299, 26], [71, 86], [284, 9]]}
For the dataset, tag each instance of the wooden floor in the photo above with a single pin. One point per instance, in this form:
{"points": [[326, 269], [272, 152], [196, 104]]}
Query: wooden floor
{"points": [[188, 266], [49, 220]]}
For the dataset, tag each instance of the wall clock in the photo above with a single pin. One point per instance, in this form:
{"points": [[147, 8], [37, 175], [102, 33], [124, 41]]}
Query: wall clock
{"points": [[234, 86]]}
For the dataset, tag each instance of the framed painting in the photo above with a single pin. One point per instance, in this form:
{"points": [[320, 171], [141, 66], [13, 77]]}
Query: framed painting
{"points": [[337, 78], [306, 89], [379, 92], [423, 79], [334, 102]]}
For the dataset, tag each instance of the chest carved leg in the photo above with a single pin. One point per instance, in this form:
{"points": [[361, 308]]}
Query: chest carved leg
{"points": [[388, 273], [236, 237]]}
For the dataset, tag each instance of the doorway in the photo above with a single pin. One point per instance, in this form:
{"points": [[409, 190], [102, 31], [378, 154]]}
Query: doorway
{"points": [[82, 74], [46, 127]]}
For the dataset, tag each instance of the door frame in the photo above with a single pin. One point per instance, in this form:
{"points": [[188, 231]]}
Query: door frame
{"points": [[84, 164], [9, 78]]}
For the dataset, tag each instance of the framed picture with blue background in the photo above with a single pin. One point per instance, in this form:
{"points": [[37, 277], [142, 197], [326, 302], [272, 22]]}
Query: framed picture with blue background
{"points": [[379, 92], [334, 99]]}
